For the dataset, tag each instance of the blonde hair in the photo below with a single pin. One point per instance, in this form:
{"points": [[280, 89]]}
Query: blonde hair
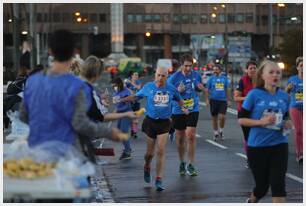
{"points": [[92, 67], [259, 81], [75, 67]]}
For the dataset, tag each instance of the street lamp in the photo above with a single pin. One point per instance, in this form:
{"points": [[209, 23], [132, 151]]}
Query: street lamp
{"points": [[148, 34], [79, 19], [77, 13], [213, 15]]}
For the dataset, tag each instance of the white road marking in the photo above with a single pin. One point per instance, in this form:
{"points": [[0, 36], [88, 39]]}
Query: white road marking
{"points": [[291, 176], [241, 155], [229, 110], [216, 144], [197, 135]]}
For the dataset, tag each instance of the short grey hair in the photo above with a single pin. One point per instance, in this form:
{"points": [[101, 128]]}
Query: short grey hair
{"points": [[92, 67], [163, 69]]}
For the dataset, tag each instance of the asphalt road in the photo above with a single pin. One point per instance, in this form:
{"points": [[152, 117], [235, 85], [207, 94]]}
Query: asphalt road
{"points": [[222, 177]]}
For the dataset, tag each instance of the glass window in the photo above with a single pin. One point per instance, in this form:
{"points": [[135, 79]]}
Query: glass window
{"points": [[194, 19], [177, 18], [156, 18], [231, 18], [221, 18], [240, 18], [213, 20], [138, 18], [39, 17], [282, 20], [47, 17], [67, 18], [93, 18], [147, 18], [130, 18], [185, 18], [56, 17], [264, 19], [102, 17], [249, 18], [166, 18], [257, 20], [204, 19]]}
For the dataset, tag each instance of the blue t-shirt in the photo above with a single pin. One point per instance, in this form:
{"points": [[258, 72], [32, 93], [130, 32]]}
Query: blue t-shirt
{"points": [[159, 99], [296, 92], [190, 96], [122, 106], [257, 102], [217, 87], [131, 86]]}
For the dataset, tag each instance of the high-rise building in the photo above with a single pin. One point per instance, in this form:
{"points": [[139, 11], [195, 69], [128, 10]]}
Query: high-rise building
{"points": [[153, 31]]}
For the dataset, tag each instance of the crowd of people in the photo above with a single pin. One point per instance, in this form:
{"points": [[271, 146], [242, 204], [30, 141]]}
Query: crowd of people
{"points": [[60, 103]]}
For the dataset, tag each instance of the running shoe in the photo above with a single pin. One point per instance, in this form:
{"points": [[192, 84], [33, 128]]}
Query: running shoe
{"points": [[247, 165], [172, 136], [216, 137], [182, 169], [299, 159], [159, 186], [147, 175], [191, 171], [221, 135], [125, 156]]}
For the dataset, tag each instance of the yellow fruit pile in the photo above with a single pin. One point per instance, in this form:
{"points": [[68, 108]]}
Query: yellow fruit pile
{"points": [[27, 168], [140, 112]]}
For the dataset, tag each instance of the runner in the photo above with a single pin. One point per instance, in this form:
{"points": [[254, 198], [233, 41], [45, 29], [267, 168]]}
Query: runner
{"points": [[156, 124], [265, 111], [246, 84], [186, 81], [295, 89], [134, 84], [218, 97]]}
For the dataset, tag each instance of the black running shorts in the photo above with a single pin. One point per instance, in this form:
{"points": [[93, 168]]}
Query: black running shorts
{"points": [[182, 121], [153, 127], [217, 107]]}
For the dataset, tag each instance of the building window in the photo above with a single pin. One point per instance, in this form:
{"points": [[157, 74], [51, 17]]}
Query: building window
{"points": [[257, 20], [204, 19], [194, 19], [39, 17], [221, 18], [46, 17], [185, 18], [282, 20], [240, 18], [130, 18], [166, 18], [156, 18], [264, 19], [67, 18], [138, 18], [212, 20], [102, 18], [147, 18], [56, 17], [249, 18], [177, 18], [231, 18], [93, 18]]}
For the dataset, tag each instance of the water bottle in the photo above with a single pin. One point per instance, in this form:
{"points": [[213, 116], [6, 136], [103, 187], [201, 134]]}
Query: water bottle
{"points": [[278, 119], [106, 93]]}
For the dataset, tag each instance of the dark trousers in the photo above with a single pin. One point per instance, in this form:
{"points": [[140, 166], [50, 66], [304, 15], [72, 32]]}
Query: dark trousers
{"points": [[269, 167]]}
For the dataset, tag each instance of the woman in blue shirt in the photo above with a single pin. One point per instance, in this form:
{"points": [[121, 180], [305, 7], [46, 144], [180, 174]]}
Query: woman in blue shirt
{"points": [[295, 89], [134, 84], [123, 124], [265, 111]]}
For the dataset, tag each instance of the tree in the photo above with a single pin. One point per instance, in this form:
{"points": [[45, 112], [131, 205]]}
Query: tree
{"points": [[291, 47]]}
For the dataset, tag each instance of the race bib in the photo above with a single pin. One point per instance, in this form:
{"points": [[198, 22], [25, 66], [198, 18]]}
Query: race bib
{"points": [[219, 86], [161, 99], [188, 103], [299, 97]]}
